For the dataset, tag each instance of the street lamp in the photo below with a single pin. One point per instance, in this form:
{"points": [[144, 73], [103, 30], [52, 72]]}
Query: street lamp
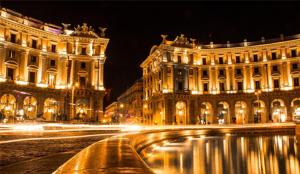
{"points": [[72, 98]]}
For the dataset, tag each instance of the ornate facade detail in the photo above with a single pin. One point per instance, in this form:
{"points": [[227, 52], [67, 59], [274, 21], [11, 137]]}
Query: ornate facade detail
{"points": [[61, 72], [84, 31], [248, 82]]}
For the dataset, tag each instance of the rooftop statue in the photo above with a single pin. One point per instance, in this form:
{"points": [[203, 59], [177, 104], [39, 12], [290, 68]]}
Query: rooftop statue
{"points": [[84, 31]]}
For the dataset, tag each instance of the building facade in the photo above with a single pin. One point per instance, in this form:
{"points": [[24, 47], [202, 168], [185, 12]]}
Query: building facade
{"points": [[111, 113], [131, 103], [249, 82], [50, 72]]}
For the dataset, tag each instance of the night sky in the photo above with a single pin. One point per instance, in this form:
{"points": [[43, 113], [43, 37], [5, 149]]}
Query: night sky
{"points": [[134, 27]]}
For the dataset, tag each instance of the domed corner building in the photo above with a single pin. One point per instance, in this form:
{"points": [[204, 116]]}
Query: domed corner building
{"points": [[50, 72], [249, 82]]}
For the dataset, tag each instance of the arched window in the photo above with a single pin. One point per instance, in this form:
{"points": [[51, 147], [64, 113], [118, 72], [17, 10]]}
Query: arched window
{"points": [[30, 107]]}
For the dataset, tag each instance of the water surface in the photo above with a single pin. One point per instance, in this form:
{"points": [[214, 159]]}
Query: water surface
{"points": [[274, 154]]}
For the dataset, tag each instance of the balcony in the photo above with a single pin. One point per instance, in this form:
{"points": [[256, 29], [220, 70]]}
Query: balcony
{"points": [[257, 74], [221, 76], [238, 75], [275, 73], [205, 77]]}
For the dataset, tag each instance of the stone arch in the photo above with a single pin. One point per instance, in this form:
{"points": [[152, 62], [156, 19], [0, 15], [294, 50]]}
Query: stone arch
{"points": [[206, 113], [81, 109], [240, 112], [30, 107], [181, 112], [259, 111], [8, 106], [50, 109], [223, 112], [295, 104], [278, 110]]}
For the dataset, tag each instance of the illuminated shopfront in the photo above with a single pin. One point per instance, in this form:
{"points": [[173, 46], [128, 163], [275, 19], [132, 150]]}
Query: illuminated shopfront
{"points": [[278, 110], [240, 113], [81, 109], [296, 109], [180, 112], [259, 111], [8, 105], [30, 107], [206, 113], [50, 109], [223, 112]]}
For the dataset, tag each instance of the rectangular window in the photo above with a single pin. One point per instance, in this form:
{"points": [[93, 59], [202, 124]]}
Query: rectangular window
{"points": [[296, 82], [257, 84], [256, 70], [255, 58], [179, 59], [33, 59], [83, 65], [11, 54], [222, 87], [13, 38], [53, 48], [191, 72], [205, 87], [293, 53], [237, 59], [10, 73], [82, 81], [238, 71], [274, 56], [32, 77], [83, 51], [276, 83], [180, 86], [204, 73], [240, 86], [221, 72], [204, 61], [221, 60], [275, 68], [295, 66], [179, 72], [52, 63], [34, 43], [191, 59]]}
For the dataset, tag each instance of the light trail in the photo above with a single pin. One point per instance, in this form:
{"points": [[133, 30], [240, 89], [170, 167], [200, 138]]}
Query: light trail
{"points": [[56, 138], [56, 127]]}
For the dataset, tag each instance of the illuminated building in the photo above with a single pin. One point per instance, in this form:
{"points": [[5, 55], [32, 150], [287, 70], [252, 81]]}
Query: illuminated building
{"points": [[50, 72], [131, 103], [111, 113], [249, 82]]}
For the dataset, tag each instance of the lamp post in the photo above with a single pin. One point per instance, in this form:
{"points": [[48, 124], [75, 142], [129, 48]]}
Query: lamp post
{"points": [[73, 104]]}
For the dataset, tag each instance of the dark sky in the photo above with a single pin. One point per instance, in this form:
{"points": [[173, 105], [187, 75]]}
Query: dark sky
{"points": [[134, 27]]}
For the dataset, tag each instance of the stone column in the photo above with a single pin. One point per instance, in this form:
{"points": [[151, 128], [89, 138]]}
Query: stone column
{"points": [[2, 59], [101, 70]]}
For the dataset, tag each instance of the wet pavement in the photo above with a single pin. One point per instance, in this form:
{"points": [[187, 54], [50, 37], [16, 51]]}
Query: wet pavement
{"points": [[34, 155]]}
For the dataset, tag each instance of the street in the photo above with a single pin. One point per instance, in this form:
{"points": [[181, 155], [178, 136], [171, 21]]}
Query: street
{"points": [[43, 152]]}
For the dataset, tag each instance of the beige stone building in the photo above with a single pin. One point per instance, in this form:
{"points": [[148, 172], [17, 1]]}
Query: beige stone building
{"points": [[48, 71], [131, 103], [111, 113], [249, 82]]}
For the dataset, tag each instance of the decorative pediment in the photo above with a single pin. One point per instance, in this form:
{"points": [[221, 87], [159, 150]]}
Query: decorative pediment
{"points": [[84, 31]]}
